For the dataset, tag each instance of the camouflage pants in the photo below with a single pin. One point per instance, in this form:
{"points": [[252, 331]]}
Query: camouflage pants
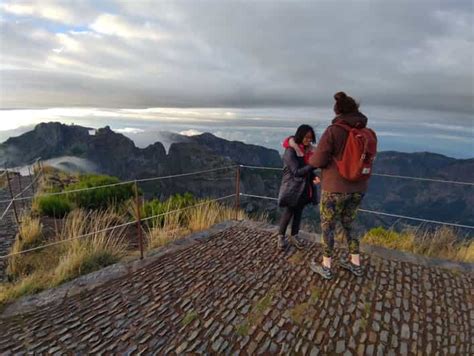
{"points": [[343, 207]]}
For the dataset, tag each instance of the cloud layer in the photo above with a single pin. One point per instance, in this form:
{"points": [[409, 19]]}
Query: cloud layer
{"points": [[139, 54]]}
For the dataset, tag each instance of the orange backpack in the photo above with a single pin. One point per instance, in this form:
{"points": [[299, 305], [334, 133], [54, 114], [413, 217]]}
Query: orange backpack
{"points": [[359, 153]]}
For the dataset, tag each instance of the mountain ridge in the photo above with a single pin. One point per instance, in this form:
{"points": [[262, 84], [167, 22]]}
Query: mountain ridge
{"points": [[117, 155]]}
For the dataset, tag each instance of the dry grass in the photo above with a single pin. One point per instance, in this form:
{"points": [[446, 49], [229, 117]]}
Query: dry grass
{"points": [[297, 258], [174, 226], [29, 236], [30, 230], [30, 284], [53, 265], [204, 216], [53, 179], [443, 242], [167, 230], [84, 255]]}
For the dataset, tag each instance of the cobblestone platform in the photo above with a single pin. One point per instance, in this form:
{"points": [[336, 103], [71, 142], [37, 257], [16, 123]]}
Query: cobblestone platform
{"points": [[234, 293]]}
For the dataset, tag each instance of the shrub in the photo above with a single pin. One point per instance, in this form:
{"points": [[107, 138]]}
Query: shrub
{"points": [[99, 198], [56, 206], [157, 207]]}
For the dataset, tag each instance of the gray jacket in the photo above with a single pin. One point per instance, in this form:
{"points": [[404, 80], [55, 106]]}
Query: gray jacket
{"points": [[297, 178]]}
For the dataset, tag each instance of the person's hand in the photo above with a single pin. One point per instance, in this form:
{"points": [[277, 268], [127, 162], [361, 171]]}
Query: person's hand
{"points": [[296, 147], [316, 180]]}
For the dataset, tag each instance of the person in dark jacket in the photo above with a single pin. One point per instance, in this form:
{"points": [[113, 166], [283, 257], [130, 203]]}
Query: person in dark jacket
{"points": [[340, 198], [296, 188]]}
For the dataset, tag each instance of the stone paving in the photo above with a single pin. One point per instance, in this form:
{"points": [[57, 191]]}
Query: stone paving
{"points": [[234, 293]]}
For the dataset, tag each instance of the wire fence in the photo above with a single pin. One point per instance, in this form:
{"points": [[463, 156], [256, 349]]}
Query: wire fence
{"points": [[236, 195], [379, 213], [436, 180], [66, 192], [17, 196], [111, 228]]}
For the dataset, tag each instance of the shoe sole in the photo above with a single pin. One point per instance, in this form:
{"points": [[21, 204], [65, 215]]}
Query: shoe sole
{"points": [[296, 244], [351, 270], [322, 275]]}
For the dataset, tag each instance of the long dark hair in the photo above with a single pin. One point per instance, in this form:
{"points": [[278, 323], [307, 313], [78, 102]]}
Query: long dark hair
{"points": [[344, 104], [301, 133]]}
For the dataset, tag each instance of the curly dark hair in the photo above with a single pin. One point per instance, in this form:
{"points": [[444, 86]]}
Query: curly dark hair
{"points": [[301, 133], [344, 104]]}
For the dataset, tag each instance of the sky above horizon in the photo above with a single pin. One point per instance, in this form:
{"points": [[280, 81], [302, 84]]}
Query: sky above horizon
{"points": [[244, 70]]}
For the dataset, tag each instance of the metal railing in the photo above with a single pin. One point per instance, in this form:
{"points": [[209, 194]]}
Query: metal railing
{"points": [[237, 195], [381, 213]]}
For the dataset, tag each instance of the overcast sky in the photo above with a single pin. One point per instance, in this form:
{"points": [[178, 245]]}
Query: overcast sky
{"points": [[403, 56]]}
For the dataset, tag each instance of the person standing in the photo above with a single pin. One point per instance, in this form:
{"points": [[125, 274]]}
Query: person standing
{"points": [[296, 189], [345, 153]]}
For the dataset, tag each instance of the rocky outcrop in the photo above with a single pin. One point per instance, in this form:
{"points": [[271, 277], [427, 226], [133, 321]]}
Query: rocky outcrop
{"points": [[240, 152], [117, 155], [47, 140]]}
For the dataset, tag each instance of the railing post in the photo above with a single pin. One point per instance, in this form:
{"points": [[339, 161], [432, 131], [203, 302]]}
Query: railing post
{"points": [[237, 192], [11, 195], [32, 179], [139, 220], [21, 188]]}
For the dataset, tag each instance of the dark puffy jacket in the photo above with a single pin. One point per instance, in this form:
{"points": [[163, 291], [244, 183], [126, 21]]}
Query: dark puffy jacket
{"points": [[296, 182]]}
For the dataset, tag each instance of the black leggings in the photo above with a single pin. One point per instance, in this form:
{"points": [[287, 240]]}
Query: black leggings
{"points": [[286, 216]]}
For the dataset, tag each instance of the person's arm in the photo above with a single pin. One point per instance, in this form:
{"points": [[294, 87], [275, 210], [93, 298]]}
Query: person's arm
{"points": [[323, 153], [291, 161], [295, 146]]}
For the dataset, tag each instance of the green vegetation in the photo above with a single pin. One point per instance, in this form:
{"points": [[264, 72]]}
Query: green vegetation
{"points": [[100, 198], [256, 314], [156, 207], [189, 317], [299, 313], [57, 206], [297, 258], [443, 242], [305, 311], [89, 213]]}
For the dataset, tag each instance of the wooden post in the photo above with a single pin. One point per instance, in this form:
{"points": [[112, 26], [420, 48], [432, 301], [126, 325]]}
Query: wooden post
{"points": [[11, 195], [32, 179], [21, 189], [139, 220], [237, 192]]}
